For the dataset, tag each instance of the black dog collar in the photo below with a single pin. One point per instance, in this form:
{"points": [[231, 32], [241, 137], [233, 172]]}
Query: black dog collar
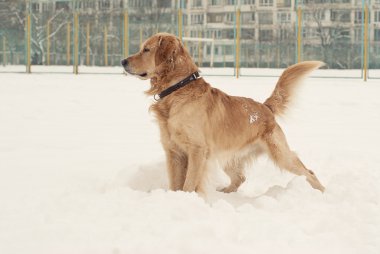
{"points": [[177, 86]]}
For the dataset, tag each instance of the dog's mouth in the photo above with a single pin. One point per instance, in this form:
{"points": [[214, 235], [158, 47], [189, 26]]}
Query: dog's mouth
{"points": [[139, 75]]}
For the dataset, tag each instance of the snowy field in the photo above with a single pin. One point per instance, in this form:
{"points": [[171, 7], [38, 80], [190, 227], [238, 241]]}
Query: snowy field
{"points": [[82, 171]]}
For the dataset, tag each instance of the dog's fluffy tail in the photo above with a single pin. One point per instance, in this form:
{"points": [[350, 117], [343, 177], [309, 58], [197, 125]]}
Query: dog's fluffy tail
{"points": [[286, 84]]}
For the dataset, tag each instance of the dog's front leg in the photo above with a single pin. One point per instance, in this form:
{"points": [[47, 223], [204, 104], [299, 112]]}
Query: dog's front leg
{"points": [[197, 157], [177, 167]]}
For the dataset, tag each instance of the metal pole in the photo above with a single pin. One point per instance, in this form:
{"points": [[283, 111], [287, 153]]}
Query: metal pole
{"points": [[299, 34], [4, 52], [180, 23], [126, 31], [365, 56], [199, 50], [68, 49], [212, 51], [28, 39], [76, 45], [237, 43], [88, 44]]}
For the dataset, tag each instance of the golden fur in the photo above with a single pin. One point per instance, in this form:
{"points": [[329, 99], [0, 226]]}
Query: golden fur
{"points": [[200, 124]]}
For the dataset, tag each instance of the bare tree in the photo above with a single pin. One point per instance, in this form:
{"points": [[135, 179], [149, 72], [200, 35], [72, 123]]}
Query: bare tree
{"points": [[331, 31], [40, 20]]}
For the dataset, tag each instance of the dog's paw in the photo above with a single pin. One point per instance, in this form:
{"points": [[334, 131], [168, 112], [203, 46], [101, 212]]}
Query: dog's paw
{"points": [[229, 189]]}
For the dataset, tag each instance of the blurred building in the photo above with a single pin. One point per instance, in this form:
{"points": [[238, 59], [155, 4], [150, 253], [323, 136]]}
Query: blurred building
{"points": [[332, 30]]}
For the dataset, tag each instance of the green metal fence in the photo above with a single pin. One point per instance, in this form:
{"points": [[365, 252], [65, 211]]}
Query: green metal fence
{"points": [[225, 37]]}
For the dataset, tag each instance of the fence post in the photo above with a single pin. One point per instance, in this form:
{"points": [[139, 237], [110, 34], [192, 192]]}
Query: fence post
{"points": [[200, 52], [76, 41], [4, 51], [28, 40], [68, 39], [237, 42], [88, 44], [126, 31], [299, 33], [365, 56], [180, 23], [105, 46]]}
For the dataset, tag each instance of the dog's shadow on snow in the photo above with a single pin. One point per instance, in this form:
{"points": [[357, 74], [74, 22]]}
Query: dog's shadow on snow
{"points": [[151, 177]]}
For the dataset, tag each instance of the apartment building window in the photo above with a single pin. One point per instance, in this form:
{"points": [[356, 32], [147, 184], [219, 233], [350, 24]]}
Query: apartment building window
{"points": [[340, 1], [197, 3], [105, 4], [314, 1], [140, 3], [45, 7], [377, 16], [283, 17], [35, 7], [284, 3], [230, 2], [88, 5], [216, 34], [247, 33], [284, 34], [357, 34], [309, 33], [197, 19], [266, 35], [341, 16], [211, 33], [266, 3], [214, 18], [345, 34], [228, 34], [230, 17], [228, 50], [265, 18], [247, 2], [216, 2], [315, 15], [163, 4], [62, 5], [307, 16], [358, 17], [248, 17], [377, 35]]}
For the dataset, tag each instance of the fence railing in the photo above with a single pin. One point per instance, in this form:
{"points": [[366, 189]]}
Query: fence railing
{"points": [[238, 39]]}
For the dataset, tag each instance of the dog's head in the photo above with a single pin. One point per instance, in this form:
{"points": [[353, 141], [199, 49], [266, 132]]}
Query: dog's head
{"points": [[162, 59]]}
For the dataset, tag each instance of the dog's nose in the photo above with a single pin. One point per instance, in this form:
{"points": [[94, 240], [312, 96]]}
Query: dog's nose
{"points": [[124, 62]]}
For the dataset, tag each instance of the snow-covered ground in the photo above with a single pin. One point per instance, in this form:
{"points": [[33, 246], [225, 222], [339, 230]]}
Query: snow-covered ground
{"points": [[82, 171]]}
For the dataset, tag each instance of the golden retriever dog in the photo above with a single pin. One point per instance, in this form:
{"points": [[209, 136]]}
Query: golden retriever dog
{"points": [[200, 124]]}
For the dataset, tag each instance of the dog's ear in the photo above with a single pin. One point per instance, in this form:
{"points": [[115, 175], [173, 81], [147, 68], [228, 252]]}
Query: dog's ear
{"points": [[160, 40], [165, 50], [166, 53]]}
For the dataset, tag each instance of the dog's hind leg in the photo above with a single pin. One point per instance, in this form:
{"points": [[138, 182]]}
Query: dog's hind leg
{"points": [[234, 168], [286, 159]]}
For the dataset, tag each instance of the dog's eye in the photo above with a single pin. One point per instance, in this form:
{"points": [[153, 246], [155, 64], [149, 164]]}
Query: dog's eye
{"points": [[145, 50]]}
